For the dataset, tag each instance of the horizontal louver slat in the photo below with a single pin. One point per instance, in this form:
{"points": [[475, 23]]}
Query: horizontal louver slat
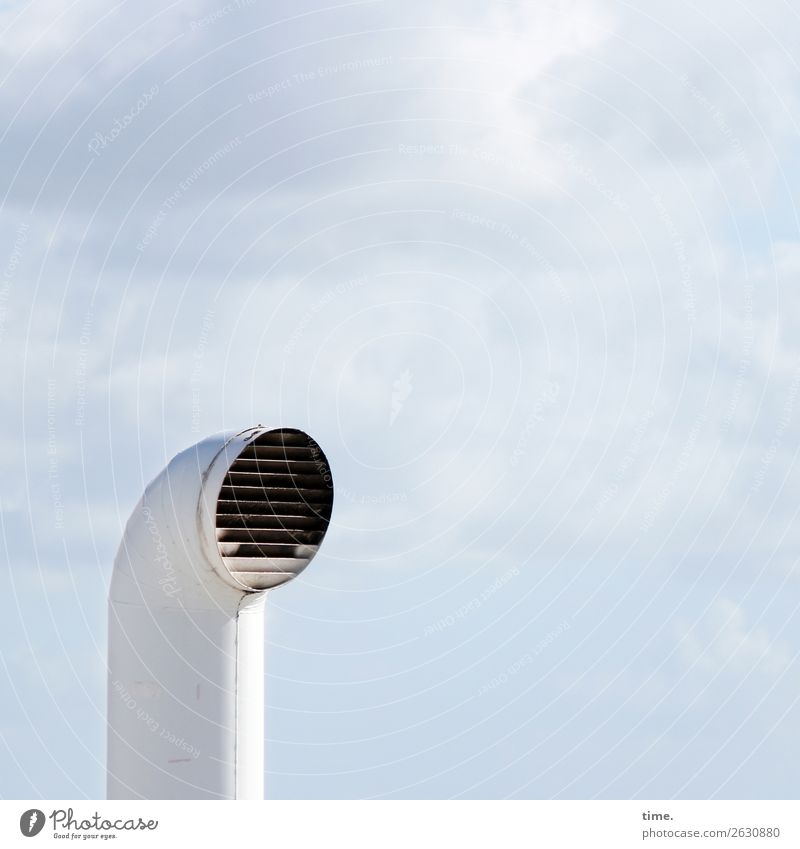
{"points": [[262, 535], [269, 521], [277, 452]]}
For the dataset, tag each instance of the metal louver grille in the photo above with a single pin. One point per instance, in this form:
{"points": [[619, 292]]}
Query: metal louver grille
{"points": [[274, 508]]}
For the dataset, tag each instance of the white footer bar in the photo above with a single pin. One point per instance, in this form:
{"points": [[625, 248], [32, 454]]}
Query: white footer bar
{"points": [[403, 824]]}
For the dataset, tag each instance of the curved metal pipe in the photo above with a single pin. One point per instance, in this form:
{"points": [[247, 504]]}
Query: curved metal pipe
{"points": [[186, 618]]}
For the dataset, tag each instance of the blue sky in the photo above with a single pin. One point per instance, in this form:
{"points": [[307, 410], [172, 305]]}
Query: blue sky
{"points": [[527, 272]]}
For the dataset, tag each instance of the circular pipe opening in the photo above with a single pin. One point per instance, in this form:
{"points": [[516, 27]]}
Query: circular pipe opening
{"points": [[274, 508]]}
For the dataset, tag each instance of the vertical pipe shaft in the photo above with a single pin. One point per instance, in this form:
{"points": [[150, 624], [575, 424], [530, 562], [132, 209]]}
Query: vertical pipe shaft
{"points": [[250, 698], [186, 702]]}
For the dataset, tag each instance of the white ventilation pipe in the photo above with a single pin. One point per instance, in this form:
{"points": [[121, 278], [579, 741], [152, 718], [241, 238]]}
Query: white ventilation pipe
{"points": [[228, 519]]}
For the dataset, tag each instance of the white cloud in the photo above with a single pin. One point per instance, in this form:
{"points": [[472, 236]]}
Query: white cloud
{"points": [[723, 642]]}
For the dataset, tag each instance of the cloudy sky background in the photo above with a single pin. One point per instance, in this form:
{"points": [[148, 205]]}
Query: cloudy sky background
{"points": [[527, 271]]}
